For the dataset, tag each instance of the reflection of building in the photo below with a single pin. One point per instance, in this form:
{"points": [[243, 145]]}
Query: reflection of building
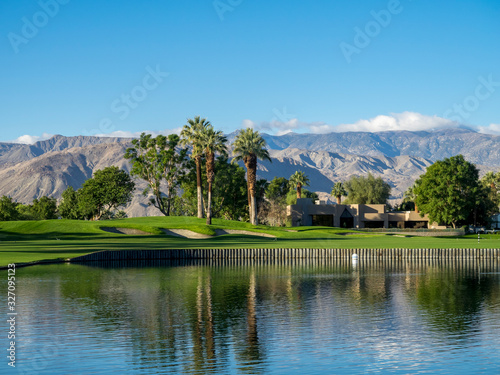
{"points": [[305, 212], [495, 221]]}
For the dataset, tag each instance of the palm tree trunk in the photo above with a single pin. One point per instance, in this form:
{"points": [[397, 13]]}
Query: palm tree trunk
{"points": [[339, 199], [251, 164], [210, 160], [299, 191], [253, 218], [209, 204], [199, 190]]}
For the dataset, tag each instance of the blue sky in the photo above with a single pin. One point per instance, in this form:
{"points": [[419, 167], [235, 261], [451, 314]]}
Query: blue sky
{"points": [[77, 67]]}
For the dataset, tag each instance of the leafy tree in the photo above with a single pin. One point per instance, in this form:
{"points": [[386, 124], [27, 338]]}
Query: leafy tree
{"points": [[25, 212], [121, 215], [190, 135], [260, 192], [8, 210], [367, 190], [272, 209], [250, 146], [338, 191], [69, 208], [297, 180], [212, 141], [44, 208], [277, 189], [291, 197], [110, 188], [156, 160], [450, 193], [229, 193]]}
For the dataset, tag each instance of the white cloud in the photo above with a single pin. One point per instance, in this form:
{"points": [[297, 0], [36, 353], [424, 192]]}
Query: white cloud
{"points": [[492, 129], [274, 126], [30, 139], [411, 121], [248, 124], [129, 134]]}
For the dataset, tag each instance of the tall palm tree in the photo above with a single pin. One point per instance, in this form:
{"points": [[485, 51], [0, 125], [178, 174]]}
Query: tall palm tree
{"points": [[250, 146], [190, 135], [297, 180], [338, 192], [212, 141]]}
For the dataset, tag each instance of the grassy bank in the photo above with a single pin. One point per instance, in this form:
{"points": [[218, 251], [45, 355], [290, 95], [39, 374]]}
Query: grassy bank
{"points": [[27, 241]]}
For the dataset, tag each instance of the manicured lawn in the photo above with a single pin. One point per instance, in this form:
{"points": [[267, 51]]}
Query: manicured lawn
{"points": [[26, 241]]}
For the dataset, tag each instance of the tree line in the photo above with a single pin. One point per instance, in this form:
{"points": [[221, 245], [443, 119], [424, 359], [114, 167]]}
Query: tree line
{"points": [[450, 192], [98, 198], [192, 174]]}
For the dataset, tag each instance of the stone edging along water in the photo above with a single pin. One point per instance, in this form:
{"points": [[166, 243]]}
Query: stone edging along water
{"points": [[278, 254]]}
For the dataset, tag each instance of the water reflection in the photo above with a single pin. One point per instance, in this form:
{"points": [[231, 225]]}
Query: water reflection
{"points": [[244, 316]]}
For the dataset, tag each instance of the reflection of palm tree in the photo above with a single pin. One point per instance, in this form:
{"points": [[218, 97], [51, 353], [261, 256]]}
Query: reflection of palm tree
{"points": [[210, 324], [252, 335], [204, 340]]}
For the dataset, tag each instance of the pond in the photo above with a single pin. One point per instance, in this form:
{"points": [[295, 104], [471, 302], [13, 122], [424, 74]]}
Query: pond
{"points": [[251, 317]]}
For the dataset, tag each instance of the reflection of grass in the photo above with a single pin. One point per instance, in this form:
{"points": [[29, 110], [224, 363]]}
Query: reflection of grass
{"points": [[26, 241]]}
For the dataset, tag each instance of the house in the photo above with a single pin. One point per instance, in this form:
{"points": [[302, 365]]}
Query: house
{"points": [[307, 213], [495, 221]]}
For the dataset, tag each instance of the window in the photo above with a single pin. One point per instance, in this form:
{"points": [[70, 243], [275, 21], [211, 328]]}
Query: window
{"points": [[322, 220]]}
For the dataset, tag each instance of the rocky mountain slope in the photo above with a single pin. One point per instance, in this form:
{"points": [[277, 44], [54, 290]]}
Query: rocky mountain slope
{"points": [[48, 167], [478, 148]]}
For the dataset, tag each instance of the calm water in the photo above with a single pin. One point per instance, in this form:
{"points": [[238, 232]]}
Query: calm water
{"points": [[250, 318]]}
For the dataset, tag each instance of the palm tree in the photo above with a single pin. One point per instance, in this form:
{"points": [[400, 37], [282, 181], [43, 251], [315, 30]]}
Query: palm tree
{"points": [[190, 135], [212, 141], [338, 192], [297, 180], [491, 180], [410, 195], [250, 146]]}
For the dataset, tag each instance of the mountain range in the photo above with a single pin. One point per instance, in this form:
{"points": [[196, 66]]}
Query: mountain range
{"points": [[399, 157]]}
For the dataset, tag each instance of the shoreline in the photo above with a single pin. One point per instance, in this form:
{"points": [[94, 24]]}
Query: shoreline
{"points": [[273, 254], [286, 253]]}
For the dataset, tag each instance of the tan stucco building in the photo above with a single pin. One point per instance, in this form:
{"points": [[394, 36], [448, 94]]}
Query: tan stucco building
{"points": [[308, 213]]}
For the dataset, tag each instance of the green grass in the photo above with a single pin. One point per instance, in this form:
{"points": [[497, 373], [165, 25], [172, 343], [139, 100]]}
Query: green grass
{"points": [[27, 241]]}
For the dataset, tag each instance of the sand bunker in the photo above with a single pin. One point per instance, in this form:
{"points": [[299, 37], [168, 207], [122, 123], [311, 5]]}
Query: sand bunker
{"points": [[185, 233], [247, 232], [129, 231]]}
